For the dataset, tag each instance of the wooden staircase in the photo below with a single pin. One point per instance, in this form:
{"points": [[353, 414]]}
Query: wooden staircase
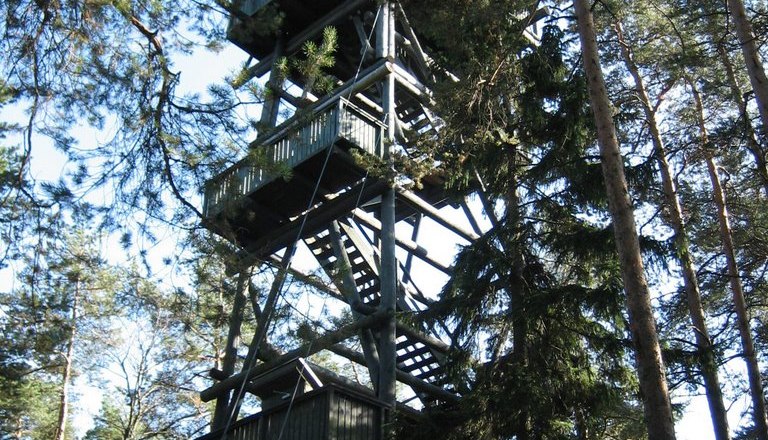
{"points": [[413, 356]]}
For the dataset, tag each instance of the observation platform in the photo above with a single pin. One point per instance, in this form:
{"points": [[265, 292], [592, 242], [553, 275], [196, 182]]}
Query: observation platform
{"points": [[250, 202], [260, 202]]}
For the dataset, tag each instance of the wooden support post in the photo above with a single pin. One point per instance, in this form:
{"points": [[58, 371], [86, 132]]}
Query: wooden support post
{"points": [[421, 58], [262, 327], [230, 350], [349, 288], [269, 109], [414, 237], [388, 273], [266, 351]]}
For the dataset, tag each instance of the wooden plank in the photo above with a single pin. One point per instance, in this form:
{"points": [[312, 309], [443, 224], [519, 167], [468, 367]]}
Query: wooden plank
{"points": [[422, 206], [333, 420]]}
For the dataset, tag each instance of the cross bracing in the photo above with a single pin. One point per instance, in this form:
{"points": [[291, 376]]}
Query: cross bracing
{"points": [[304, 185]]}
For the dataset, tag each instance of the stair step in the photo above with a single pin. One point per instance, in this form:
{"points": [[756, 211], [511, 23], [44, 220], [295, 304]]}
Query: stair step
{"points": [[422, 364]]}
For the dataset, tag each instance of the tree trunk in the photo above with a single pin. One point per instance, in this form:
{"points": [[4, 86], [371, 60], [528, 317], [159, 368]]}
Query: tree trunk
{"points": [[517, 289], [707, 361], [749, 132], [653, 384], [752, 58], [753, 370], [61, 426]]}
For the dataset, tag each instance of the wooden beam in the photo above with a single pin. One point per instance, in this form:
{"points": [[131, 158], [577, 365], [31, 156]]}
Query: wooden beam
{"points": [[471, 217], [319, 217], [422, 59], [349, 287], [269, 110], [414, 238], [402, 376], [259, 335], [405, 79], [319, 344], [430, 342], [366, 249], [367, 49], [220, 412], [405, 243], [429, 210], [310, 280]]}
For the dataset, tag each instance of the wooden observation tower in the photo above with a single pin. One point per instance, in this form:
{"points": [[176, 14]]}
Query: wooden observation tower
{"points": [[306, 189]]}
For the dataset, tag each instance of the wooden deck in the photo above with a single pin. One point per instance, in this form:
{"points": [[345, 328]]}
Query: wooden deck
{"points": [[291, 145], [253, 201]]}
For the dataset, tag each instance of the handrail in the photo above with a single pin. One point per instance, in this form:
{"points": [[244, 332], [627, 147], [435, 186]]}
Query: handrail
{"points": [[298, 139]]}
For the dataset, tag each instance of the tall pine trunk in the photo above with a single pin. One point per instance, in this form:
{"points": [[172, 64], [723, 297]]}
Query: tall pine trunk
{"points": [[707, 360], [749, 133], [752, 58], [653, 384], [740, 305], [517, 289], [66, 376]]}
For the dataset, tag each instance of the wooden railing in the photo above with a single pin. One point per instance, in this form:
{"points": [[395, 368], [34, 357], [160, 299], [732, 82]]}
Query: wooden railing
{"points": [[291, 144]]}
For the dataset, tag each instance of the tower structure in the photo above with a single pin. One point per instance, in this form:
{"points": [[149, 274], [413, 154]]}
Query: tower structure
{"points": [[305, 185]]}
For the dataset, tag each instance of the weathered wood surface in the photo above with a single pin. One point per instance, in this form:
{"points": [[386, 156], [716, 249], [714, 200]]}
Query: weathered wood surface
{"points": [[331, 412], [290, 146]]}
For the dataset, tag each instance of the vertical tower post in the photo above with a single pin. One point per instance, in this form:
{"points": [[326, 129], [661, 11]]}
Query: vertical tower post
{"points": [[230, 351], [387, 353]]}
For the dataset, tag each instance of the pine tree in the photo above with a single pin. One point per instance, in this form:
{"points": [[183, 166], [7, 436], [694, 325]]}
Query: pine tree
{"points": [[752, 59], [658, 410], [745, 331], [517, 119], [682, 244]]}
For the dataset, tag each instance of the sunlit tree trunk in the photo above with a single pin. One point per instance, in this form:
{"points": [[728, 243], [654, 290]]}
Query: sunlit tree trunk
{"points": [[749, 133], [653, 384], [707, 361], [66, 376], [753, 370], [751, 57]]}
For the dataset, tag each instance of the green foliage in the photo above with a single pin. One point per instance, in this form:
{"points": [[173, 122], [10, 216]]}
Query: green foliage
{"points": [[543, 284], [107, 424], [314, 60], [28, 405], [109, 64]]}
